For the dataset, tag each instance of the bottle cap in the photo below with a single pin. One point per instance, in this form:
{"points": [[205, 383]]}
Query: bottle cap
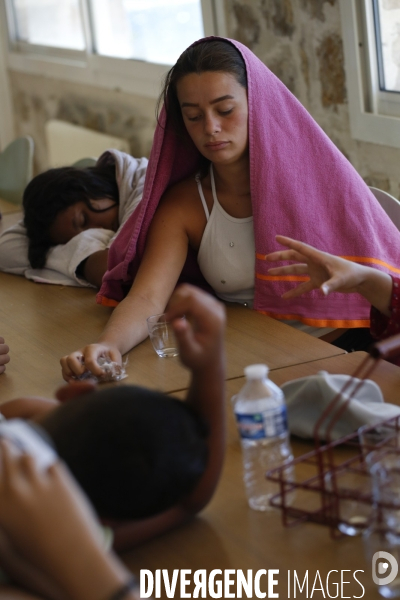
{"points": [[256, 371]]}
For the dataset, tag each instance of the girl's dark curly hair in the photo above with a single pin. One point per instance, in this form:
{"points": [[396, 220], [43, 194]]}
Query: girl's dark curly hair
{"points": [[55, 190]]}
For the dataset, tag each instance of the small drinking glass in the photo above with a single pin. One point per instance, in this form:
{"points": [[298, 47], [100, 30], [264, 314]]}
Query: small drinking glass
{"points": [[354, 491], [162, 336]]}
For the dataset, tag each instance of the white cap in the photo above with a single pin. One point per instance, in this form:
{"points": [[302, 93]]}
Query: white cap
{"points": [[256, 371]]}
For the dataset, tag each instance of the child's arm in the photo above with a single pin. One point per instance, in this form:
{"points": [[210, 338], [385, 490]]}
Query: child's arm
{"points": [[201, 347], [93, 267], [51, 525], [4, 356], [27, 408], [331, 274]]}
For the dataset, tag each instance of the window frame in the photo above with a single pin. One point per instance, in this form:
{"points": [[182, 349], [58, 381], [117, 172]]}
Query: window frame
{"points": [[127, 75], [374, 114]]}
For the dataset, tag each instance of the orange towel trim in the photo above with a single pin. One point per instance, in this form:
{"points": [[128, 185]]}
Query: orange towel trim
{"points": [[335, 323], [282, 277], [108, 302]]}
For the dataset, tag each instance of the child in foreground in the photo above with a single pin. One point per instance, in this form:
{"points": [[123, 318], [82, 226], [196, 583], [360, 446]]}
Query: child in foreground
{"points": [[329, 273], [158, 463], [50, 540]]}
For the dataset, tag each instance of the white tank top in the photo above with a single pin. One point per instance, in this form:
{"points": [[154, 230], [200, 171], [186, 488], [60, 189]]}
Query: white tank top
{"points": [[226, 255]]}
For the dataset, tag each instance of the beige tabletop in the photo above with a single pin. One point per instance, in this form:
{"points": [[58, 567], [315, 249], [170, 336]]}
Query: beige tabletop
{"points": [[229, 535], [8, 219], [7, 208], [43, 322]]}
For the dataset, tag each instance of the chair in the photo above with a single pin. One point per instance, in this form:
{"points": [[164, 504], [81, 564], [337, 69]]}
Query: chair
{"points": [[84, 162], [16, 166], [390, 205], [67, 143]]}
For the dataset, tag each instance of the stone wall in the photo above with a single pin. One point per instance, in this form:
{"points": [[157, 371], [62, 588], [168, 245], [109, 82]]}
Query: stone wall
{"points": [[38, 99], [300, 40]]}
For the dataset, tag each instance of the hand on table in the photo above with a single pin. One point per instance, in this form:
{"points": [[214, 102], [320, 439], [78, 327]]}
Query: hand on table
{"points": [[4, 356], [86, 359]]}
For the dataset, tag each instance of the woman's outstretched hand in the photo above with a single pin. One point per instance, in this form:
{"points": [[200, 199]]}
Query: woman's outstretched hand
{"points": [[331, 273], [325, 271], [87, 359]]}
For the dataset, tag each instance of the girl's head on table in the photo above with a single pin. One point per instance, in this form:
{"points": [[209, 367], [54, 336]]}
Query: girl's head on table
{"points": [[60, 203], [205, 95]]}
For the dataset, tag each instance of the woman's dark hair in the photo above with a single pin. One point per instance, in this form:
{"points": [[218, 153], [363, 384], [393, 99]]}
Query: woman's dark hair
{"points": [[210, 55], [54, 191]]}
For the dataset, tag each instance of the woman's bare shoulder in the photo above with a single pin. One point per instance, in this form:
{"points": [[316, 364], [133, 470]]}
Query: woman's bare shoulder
{"points": [[181, 192]]}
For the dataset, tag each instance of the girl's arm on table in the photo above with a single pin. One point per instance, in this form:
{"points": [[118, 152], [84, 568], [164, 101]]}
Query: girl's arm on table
{"points": [[162, 263]]}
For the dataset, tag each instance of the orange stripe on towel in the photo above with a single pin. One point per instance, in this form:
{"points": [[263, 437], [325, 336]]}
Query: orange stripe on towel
{"points": [[282, 277], [108, 302], [335, 323]]}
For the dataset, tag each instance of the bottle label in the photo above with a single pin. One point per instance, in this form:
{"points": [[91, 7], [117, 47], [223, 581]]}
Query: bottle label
{"points": [[267, 424]]}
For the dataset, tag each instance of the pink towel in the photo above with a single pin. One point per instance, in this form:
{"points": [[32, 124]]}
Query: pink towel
{"points": [[301, 186]]}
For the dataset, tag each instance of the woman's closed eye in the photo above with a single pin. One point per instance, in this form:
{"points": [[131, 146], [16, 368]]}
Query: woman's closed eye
{"points": [[226, 112]]}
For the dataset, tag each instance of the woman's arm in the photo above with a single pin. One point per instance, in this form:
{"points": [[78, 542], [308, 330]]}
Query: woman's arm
{"points": [[331, 274], [163, 260]]}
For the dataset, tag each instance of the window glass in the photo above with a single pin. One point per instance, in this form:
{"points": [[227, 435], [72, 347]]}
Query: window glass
{"points": [[151, 30], [387, 22], [56, 23]]}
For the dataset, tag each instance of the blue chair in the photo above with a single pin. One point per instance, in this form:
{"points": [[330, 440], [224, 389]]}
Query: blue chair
{"points": [[16, 167]]}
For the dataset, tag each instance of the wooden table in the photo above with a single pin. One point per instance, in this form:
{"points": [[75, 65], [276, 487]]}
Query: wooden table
{"points": [[43, 322], [229, 535], [9, 217], [8, 208]]}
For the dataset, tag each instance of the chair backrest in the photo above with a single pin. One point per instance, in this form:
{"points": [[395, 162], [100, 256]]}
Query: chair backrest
{"points": [[16, 167], [84, 162], [389, 203], [67, 143]]}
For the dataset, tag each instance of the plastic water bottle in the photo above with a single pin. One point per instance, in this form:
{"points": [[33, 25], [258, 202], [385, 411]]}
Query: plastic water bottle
{"points": [[260, 412]]}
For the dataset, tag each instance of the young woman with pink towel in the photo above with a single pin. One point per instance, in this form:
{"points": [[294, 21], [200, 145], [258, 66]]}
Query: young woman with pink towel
{"points": [[236, 159]]}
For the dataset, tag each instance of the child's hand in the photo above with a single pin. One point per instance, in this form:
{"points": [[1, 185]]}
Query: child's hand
{"points": [[4, 356], [325, 271], [42, 511], [45, 515], [200, 334], [51, 526]]}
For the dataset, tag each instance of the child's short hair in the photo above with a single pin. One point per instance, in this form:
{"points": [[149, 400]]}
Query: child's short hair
{"points": [[54, 191], [135, 452]]}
